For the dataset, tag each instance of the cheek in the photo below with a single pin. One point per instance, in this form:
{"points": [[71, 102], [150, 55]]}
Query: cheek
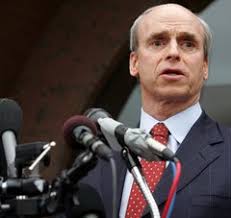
{"points": [[196, 67], [196, 60], [147, 64]]}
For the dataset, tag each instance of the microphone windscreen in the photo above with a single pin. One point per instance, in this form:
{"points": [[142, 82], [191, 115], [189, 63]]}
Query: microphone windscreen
{"points": [[73, 123], [89, 203], [10, 116]]}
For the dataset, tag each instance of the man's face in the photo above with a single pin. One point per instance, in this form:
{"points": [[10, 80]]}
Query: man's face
{"points": [[169, 60]]}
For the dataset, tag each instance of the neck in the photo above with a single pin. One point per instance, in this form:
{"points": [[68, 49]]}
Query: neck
{"points": [[161, 110]]}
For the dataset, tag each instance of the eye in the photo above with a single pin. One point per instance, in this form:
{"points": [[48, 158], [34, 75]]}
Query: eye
{"points": [[187, 45], [158, 42]]}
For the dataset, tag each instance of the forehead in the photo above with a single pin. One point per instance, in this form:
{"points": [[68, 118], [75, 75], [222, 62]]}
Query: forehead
{"points": [[170, 19]]}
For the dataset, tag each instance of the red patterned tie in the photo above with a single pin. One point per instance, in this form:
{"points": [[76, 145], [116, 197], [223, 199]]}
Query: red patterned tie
{"points": [[152, 172]]}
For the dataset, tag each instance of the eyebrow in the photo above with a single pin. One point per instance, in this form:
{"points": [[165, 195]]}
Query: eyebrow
{"points": [[188, 36], [158, 35], [165, 34]]}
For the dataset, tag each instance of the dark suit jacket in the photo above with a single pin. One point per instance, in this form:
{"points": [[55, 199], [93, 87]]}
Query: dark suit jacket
{"points": [[205, 184]]}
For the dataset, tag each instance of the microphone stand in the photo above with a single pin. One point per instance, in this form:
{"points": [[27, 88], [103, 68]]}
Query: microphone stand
{"points": [[134, 166]]}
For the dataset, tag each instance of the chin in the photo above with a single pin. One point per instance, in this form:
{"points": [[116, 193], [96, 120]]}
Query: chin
{"points": [[173, 95]]}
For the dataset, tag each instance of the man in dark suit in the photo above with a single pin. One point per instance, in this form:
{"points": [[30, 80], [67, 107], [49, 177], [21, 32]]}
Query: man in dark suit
{"points": [[169, 56]]}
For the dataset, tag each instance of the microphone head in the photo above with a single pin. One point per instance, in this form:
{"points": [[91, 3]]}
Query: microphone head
{"points": [[10, 119], [73, 123], [89, 203], [10, 116], [95, 113]]}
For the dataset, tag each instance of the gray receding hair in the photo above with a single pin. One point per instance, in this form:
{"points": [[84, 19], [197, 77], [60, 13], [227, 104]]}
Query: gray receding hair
{"points": [[134, 36]]}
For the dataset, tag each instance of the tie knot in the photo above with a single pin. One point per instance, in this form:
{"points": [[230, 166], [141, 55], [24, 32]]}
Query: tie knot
{"points": [[160, 133]]}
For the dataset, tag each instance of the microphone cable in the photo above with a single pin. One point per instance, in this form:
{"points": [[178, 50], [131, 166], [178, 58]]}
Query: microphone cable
{"points": [[168, 208], [114, 187]]}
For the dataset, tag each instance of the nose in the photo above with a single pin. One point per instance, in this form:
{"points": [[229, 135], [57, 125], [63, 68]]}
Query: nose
{"points": [[173, 53]]}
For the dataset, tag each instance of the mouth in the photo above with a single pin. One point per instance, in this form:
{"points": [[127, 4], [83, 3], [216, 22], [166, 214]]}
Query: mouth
{"points": [[172, 72], [172, 75]]}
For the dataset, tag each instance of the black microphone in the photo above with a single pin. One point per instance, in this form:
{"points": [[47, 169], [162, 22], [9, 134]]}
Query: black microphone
{"points": [[80, 129], [137, 140], [10, 123], [28, 187]]}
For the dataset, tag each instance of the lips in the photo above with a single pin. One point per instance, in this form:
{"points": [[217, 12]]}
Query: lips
{"points": [[172, 75], [172, 72]]}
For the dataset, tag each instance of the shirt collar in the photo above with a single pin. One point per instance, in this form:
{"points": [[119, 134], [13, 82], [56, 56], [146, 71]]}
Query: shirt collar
{"points": [[178, 125]]}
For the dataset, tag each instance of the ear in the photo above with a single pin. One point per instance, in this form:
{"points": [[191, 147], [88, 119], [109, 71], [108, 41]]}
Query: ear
{"points": [[133, 64], [205, 69]]}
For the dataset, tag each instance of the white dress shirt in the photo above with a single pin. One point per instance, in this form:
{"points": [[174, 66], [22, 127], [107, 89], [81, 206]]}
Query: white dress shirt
{"points": [[178, 125]]}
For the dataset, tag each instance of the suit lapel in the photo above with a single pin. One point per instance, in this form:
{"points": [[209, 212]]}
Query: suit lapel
{"points": [[196, 152]]}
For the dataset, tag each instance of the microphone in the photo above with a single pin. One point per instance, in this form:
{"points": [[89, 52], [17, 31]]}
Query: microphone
{"points": [[131, 148], [28, 187], [10, 123], [137, 140], [94, 114], [80, 129]]}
